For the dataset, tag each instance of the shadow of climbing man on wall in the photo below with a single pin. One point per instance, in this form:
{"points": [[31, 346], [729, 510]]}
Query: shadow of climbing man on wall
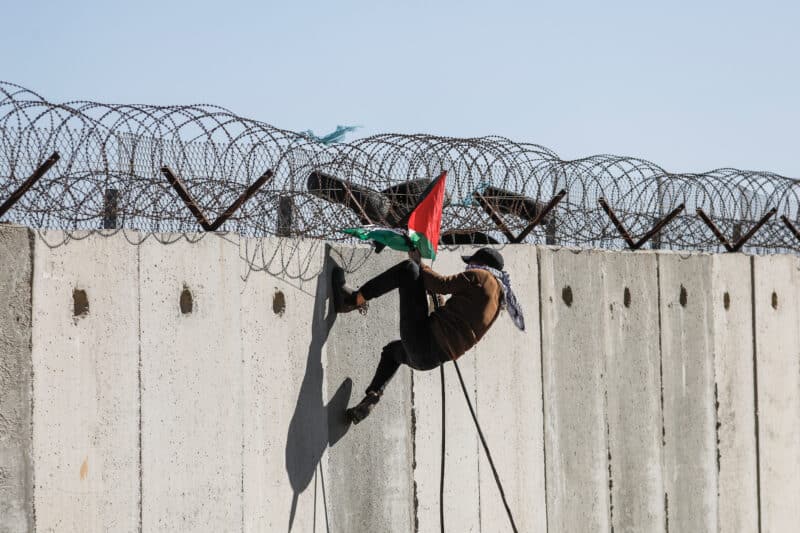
{"points": [[314, 425]]}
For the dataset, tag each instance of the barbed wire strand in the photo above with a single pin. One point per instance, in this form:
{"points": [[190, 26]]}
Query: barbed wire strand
{"points": [[109, 177]]}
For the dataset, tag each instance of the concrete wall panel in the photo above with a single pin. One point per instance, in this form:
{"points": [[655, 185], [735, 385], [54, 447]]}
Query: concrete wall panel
{"points": [[370, 486], [86, 414], [16, 465], [632, 390], [777, 312], [690, 452], [192, 386], [574, 393], [285, 426], [509, 405], [733, 362]]}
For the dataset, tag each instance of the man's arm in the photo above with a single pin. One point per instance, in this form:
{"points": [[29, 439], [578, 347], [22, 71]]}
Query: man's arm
{"points": [[438, 284]]}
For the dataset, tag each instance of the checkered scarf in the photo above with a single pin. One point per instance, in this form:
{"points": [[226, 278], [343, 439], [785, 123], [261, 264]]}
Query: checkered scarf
{"points": [[509, 300]]}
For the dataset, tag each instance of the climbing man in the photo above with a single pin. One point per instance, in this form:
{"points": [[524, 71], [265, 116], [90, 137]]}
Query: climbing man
{"points": [[428, 340]]}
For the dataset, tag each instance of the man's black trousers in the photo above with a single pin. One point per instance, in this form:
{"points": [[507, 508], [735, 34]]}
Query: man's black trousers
{"points": [[416, 348]]}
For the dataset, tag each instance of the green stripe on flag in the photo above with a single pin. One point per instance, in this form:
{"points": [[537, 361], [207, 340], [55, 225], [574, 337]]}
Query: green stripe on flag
{"points": [[392, 238]]}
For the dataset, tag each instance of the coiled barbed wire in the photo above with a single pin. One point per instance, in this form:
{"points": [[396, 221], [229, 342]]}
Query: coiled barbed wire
{"points": [[119, 150]]}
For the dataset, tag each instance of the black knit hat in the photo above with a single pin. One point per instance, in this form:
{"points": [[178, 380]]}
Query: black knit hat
{"points": [[486, 256]]}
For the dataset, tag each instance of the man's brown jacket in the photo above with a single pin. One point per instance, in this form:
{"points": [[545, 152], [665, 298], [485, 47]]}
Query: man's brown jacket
{"points": [[470, 311]]}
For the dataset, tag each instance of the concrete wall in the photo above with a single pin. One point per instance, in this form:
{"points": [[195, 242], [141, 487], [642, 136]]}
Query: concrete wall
{"points": [[16, 461], [601, 389], [777, 365], [86, 393], [732, 310], [201, 385]]}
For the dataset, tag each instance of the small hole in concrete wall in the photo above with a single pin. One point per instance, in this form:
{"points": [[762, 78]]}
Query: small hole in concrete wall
{"points": [[566, 295], [626, 297], [682, 298], [278, 303], [80, 303], [187, 301], [726, 300], [774, 300]]}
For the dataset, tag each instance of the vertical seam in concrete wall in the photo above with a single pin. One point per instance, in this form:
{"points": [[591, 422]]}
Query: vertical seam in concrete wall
{"points": [[139, 375], [32, 399], [712, 325], [661, 385], [755, 385], [608, 454], [541, 372], [242, 408], [478, 442], [414, 488], [604, 380], [717, 423]]}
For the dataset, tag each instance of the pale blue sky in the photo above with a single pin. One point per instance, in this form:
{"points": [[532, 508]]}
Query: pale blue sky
{"points": [[691, 86]]}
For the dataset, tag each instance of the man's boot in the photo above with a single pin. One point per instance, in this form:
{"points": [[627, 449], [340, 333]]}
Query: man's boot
{"points": [[345, 299], [364, 408]]}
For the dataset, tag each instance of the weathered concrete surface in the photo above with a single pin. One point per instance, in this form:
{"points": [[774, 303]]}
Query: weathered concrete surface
{"points": [[690, 451], [16, 466], [462, 447], [601, 382], [733, 363], [285, 408], [192, 386], [777, 316], [574, 395], [85, 419], [241, 399], [373, 486], [509, 404], [632, 390]]}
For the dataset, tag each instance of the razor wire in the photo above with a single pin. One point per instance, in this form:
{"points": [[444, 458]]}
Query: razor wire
{"points": [[111, 176]]}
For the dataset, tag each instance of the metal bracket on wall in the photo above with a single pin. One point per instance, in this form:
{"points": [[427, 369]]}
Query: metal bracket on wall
{"points": [[191, 203], [791, 227], [500, 223], [635, 245], [40, 171], [494, 215], [735, 247]]}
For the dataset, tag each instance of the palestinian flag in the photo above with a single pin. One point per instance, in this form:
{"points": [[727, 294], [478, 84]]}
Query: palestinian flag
{"points": [[423, 225]]}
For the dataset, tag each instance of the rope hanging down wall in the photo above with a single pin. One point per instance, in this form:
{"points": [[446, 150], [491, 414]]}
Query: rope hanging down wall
{"points": [[186, 169], [484, 444]]}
